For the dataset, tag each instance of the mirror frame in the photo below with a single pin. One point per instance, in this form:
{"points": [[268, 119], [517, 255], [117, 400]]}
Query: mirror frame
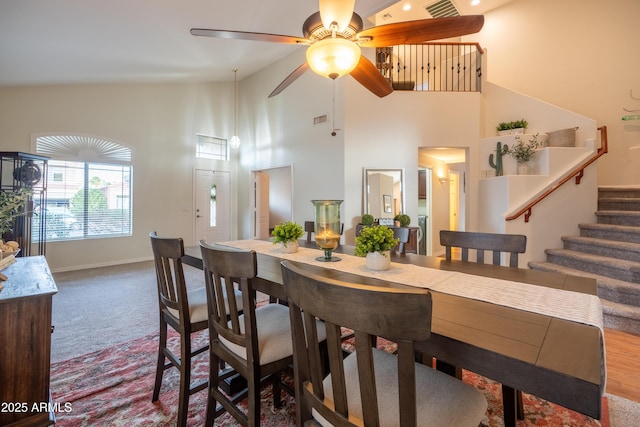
{"points": [[365, 186]]}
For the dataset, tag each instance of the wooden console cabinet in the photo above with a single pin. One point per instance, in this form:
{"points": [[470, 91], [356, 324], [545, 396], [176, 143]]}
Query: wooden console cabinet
{"points": [[411, 247], [25, 343]]}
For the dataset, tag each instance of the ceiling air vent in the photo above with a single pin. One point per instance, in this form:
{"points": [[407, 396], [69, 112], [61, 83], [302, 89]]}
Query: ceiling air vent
{"points": [[442, 9], [320, 120]]}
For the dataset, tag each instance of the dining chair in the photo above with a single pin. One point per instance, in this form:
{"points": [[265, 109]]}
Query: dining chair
{"points": [[498, 244], [402, 234], [309, 228], [182, 309], [369, 387], [255, 343]]}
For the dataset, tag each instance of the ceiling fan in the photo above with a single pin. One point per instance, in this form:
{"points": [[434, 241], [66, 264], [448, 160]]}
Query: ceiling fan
{"points": [[334, 36]]}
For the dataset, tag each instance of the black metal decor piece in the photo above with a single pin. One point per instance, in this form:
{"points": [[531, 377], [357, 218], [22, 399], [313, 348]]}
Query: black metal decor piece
{"points": [[19, 171]]}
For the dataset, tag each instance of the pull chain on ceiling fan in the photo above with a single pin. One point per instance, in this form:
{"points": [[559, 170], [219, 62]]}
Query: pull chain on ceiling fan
{"points": [[335, 35]]}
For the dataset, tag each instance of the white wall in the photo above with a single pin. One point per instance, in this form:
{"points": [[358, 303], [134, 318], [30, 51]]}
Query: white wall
{"points": [[387, 133], [158, 121], [374, 132], [579, 55], [279, 131]]}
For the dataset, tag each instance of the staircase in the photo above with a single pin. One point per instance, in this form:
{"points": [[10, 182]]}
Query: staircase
{"points": [[608, 251]]}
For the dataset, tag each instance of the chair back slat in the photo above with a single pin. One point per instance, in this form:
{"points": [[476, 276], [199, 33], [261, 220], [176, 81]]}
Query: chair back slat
{"points": [[368, 392], [406, 371], [511, 244], [370, 311]]}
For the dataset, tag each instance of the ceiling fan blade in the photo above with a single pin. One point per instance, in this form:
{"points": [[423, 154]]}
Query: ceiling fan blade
{"points": [[420, 31], [246, 35], [290, 79], [370, 77]]}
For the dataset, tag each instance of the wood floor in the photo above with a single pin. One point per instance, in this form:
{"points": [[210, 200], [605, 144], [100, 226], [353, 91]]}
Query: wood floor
{"points": [[623, 364]]}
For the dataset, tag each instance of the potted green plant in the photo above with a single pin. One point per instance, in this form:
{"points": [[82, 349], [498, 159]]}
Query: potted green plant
{"points": [[367, 220], [375, 244], [522, 152], [403, 219], [286, 234]]}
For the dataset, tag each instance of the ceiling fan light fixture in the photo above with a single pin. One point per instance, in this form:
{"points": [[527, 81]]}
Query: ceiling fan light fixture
{"points": [[333, 57], [234, 143], [336, 12]]}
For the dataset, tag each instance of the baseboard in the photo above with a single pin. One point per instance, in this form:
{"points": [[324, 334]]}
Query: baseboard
{"points": [[103, 264]]}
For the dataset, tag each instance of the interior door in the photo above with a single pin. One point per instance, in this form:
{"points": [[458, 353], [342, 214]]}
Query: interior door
{"points": [[259, 203], [213, 206], [454, 200]]}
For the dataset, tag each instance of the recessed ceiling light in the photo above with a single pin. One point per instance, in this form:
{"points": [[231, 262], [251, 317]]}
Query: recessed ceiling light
{"points": [[406, 7], [475, 2]]}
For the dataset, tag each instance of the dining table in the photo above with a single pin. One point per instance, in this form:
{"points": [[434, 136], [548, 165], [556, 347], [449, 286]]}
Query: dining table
{"points": [[535, 331]]}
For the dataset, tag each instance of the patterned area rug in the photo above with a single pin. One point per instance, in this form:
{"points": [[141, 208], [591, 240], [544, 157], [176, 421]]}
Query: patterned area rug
{"points": [[113, 387]]}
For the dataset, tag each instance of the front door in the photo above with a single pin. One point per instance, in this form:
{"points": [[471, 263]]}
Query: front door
{"points": [[213, 206]]}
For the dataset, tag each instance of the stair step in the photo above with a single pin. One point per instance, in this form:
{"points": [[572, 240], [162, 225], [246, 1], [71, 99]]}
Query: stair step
{"points": [[631, 218], [628, 271], [619, 204], [620, 233], [621, 317], [610, 289], [608, 248], [605, 192], [609, 252]]}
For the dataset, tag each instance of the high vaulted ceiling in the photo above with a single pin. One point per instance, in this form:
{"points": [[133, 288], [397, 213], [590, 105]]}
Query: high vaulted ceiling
{"points": [[105, 41]]}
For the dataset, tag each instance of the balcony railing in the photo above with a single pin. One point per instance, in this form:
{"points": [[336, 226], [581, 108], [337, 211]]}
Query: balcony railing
{"points": [[450, 67]]}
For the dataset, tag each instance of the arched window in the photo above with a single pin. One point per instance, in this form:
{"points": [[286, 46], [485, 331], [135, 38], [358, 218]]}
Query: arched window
{"points": [[88, 187]]}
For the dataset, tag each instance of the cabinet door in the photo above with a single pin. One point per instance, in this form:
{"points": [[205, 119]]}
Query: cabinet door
{"points": [[25, 334], [411, 247]]}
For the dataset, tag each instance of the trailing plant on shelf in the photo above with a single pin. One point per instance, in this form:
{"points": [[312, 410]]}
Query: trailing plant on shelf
{"points": [[378, 238], [516, 124], [12, 204], [287, 232], [522, 151]]}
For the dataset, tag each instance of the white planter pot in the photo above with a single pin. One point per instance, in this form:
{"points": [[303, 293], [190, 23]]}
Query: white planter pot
{"points": [[524, 169], [378, 261], [516, 131], [290, 248]]}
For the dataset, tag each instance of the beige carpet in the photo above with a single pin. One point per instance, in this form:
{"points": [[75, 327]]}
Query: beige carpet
{"points": [[99, 307]]}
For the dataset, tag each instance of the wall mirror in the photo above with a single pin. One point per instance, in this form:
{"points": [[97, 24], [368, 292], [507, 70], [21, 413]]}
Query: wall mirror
{"points": [[383, 192]]}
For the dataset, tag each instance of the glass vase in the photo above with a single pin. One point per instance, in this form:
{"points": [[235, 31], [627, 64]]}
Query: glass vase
{"points": [[327, 227]]}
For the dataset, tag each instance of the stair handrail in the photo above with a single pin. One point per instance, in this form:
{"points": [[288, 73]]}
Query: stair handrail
{"points": [[577, 172]]}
